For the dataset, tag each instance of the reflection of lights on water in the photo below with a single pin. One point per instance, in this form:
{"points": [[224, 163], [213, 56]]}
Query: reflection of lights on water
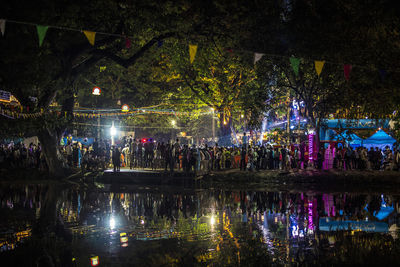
{"points": [[310, 216], [212, 220], [94, 261], [301, 233], [295, 230], [124, 245], [112, 223]]}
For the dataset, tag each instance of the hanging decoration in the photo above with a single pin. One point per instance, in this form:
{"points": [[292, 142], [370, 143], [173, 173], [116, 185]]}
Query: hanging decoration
{"points": [[257, 57], [90, 36], [318, 66], [192, 52], [41, 30], [102, 68], [128, 43], [2, 26], [347, 69], [295, 62]]}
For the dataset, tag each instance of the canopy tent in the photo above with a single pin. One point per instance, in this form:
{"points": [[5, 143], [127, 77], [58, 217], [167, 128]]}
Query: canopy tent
{"points": [[379, 139], [350, 138], [347, 137]]}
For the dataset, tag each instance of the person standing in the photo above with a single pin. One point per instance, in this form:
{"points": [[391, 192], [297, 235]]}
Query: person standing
{"points": [[243, 159], [125, 153], [116, 157]]}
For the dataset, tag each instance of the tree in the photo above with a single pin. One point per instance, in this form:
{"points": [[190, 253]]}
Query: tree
{"points": [[51, 71]]}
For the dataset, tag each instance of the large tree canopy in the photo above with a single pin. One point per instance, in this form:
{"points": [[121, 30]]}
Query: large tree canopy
{"points": [[156, 70]]}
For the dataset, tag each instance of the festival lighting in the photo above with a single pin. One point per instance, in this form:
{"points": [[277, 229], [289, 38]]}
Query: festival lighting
{"points": [[144, 140], [212, 220], [113, 131], [123, 237], [310, 144], [125, 108], [173, 122], [96, 91], [94, 261], [112, 223]]}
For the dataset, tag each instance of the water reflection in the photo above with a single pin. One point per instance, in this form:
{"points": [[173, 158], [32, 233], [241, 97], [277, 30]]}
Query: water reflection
{"points": [[210, 226]]}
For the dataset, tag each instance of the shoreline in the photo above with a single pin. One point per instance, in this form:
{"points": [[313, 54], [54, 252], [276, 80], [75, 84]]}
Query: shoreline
{"points": [[234, 179]]}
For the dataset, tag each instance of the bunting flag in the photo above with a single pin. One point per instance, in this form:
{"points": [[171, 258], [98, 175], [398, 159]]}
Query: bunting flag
{"points": [[102, 68], [192, 52], [41, 30], [383, 74], [295, 62], [90, 36], [347, 70], [257, 57], [2, 26], [127, 43], [318, 66]]}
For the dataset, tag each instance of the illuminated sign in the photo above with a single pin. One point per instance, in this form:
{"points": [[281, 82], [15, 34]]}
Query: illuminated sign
{"points": [[310, 146], [5, 96], [96, 91]]}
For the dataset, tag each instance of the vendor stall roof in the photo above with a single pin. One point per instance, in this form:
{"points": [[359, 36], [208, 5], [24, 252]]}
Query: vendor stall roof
{"points": [[380, 137]]}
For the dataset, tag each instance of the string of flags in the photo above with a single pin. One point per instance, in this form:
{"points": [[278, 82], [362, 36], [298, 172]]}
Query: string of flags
{"points": [[90, 35], [319, 65]]}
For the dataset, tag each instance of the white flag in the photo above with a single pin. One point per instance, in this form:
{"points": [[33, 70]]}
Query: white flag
{"points": [[2, 26], [257, 57]]}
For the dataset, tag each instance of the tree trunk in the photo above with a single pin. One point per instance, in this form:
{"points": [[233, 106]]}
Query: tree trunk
{"points": [[49, 141], [225, 127]]}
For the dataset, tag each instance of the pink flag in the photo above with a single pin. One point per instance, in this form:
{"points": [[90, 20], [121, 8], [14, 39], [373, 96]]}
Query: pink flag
{"points": [[347, 70], [127, 43]]}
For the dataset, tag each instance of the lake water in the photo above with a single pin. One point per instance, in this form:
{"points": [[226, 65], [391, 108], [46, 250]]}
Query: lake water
{"points": [[183, 227]]}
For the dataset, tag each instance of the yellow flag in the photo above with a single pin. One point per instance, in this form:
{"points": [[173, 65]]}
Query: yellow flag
{"points": [[90, 36], [192, 52], [318, 66]]}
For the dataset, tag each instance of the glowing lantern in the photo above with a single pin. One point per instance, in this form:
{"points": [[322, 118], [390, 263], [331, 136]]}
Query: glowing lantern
{"points": [[125, 108], [94, 261], [96, 91], [123, 237]]}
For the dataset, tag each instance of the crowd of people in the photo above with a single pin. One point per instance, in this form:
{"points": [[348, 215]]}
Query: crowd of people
{"points": [[22, 156], [139, 154], [134, 153]]}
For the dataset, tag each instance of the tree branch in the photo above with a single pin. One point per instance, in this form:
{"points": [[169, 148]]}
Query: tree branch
{"points": [[130, 61]]}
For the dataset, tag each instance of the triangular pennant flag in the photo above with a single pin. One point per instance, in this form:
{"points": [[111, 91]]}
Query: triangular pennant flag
{"points": [[41, 30], [102, 68], [347, 70], [318, 66], [192, 52], [90, 36], [127, 43], [257, 57], [295, 62], [2, 26], [383, 74], [160, 43]]}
